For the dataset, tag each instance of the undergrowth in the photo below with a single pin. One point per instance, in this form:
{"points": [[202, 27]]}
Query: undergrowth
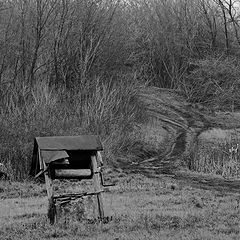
{"points": [[218, 157], [213, 82], [109, 109]]}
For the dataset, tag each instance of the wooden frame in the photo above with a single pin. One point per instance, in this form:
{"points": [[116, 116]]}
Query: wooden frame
{"points": [[97, 184], [50, 195]]}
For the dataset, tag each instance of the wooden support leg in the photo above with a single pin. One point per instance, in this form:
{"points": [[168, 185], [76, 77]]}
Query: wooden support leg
{"points": [[48, 181], [99, 158], [51, 203], [97, 187]]}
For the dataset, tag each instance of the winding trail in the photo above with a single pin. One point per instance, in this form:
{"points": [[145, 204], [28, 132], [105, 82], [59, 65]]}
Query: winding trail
{"points": [[185, 122]]}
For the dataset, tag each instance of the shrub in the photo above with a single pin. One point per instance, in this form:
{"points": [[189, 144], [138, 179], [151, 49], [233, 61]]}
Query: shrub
{"points": [[109, 109], [219, 158], [214, 82]]}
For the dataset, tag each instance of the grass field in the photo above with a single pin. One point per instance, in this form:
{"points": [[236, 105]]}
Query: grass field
{"points": [[140, 208]]}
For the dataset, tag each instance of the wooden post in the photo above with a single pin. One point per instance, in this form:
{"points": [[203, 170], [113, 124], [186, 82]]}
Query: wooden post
{"points": [[51, 204], [97, 187], [99, 157]]}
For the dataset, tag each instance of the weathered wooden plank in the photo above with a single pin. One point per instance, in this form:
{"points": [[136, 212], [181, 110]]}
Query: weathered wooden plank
{"points": [[73, 173], [97, 187], [99, 157], [51, 205]]}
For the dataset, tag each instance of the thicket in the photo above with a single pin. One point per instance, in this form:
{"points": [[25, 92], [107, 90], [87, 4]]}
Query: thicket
{"points": [[75, 66]]}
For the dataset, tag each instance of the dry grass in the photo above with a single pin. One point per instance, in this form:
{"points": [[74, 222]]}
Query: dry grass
{"points": [[218, 153], [109, 109], [141, 208]]}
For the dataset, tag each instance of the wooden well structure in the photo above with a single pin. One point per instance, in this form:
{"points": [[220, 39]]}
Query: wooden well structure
{"points": [[68, 157]]}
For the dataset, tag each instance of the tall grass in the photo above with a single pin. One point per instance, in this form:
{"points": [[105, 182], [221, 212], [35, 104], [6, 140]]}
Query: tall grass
{"points": [[221, 158], [107, 108]]}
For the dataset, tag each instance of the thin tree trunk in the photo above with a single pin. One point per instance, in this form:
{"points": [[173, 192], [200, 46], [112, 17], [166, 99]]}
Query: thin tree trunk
{"points": [[225, 25]]}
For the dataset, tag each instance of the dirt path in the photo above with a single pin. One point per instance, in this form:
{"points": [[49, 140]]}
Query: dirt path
{"points": [[185, 123]]}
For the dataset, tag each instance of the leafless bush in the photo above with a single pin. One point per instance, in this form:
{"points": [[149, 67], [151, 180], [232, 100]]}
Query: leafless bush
{"points": [[214, 82], [109, 109], [72, 67], [221, 158]]}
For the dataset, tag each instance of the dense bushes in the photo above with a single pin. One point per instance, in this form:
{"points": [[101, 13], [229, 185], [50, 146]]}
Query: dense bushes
{"points": [[214, 82], [72, 67], [69, 42], [108, 109]]}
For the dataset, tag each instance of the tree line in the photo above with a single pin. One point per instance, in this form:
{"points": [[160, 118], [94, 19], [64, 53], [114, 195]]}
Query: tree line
{"points": [[68, 41], [71, 67]]}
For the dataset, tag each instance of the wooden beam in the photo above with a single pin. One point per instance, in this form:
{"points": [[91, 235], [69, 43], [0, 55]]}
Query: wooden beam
{"points": [[99, 157], [97, 187], [73, 173], [51, 203]]}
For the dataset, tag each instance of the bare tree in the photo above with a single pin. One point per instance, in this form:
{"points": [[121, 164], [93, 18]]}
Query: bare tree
{"points": [[43, 16], [211, 22]]}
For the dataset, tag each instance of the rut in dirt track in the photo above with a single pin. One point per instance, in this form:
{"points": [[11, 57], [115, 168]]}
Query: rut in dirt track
{"points": [[185, 123]]}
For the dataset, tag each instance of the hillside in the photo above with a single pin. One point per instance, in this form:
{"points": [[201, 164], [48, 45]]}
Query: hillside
{"points": [[183, 124]]}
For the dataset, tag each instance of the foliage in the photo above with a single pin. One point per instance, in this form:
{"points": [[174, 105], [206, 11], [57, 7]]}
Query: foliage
{"points": [[72, 67], [108, 109], [218, 157], [66, 42], [214, 82]]}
